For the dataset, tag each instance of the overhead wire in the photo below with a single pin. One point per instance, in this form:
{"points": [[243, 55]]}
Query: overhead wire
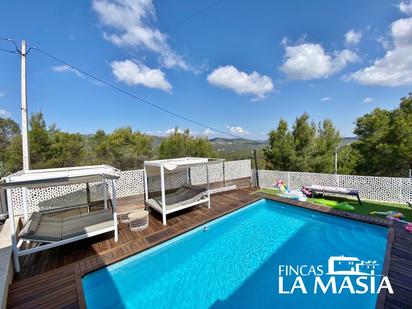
{"points": [[142, 100]]}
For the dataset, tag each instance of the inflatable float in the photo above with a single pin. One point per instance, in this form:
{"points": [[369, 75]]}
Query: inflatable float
{"points": [[341, 206], [286, 192], [388, 214]]}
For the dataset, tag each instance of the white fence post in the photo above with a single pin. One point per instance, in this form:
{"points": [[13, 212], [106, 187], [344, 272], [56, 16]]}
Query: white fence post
{"points": [[289, 180]]}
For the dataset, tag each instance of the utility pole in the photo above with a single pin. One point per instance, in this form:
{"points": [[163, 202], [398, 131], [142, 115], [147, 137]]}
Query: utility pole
{"points": [[24, 119]]}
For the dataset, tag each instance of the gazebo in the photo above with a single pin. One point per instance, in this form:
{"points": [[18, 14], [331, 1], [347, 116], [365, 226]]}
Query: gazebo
{"points": [[45, 230], [186, 195]]}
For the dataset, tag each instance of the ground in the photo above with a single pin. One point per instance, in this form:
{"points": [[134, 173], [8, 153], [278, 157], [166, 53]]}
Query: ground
{"points": [[367, 206]]}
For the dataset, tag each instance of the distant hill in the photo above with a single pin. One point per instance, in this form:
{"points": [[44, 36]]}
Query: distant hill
{"points": [[236, 144], [231, 145], [348, 140]]}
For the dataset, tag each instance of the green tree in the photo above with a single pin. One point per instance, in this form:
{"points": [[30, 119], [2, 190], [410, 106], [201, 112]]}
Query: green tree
{"points": [[348, 158], [326, 142], [9, 130], [40, 142], [67, 149], [280, 154], [385, 141], [123, 148], [304, 134], [179, 144]]}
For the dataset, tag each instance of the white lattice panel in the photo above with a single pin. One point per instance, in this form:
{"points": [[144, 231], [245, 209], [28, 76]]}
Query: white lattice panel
{"points": [[129, 183], [389, 189], [237, 169]]}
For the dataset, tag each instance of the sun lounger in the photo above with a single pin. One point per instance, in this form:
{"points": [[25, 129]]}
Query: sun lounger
{"points": [[44, 228], [182, 198], [334, 190]]}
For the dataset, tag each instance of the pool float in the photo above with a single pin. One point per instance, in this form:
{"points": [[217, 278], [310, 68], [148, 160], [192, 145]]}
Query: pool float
{"points": [[341, 206], [286, 192], [392, 213], [306, 192]]}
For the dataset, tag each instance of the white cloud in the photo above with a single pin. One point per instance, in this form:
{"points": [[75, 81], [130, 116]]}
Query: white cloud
{"points": [[65, 68], [237, 130], [133, 73], [326, 99], [207, 131], [353, 37], [131, 25], [405, 7], [4, 114], [383, 40], [309, 61], [367, 100], [285, 41], [172, 130], [395, 67], [230, 77]]}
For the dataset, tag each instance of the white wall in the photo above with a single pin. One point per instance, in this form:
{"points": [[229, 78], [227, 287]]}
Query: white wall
{"points": [[130, 183], [389, 189]]}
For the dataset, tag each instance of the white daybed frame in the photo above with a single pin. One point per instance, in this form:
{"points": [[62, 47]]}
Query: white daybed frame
{"points": [[55, 177], [161, 167]]}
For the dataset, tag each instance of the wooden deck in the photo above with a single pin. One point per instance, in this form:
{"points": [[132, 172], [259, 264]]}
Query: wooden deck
{"points": [[52, 278]]}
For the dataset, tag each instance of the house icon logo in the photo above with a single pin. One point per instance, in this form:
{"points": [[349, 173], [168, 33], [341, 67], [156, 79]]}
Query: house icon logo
{"points": [[350, 266]]}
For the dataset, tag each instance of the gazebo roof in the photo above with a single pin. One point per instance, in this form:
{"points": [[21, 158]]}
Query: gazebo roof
{"points": [[59, 176], [177, 164]]}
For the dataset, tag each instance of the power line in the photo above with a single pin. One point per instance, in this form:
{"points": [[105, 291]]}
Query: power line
{"points": [[193, 15], [110, 85], [16, 49], [8, 51]]}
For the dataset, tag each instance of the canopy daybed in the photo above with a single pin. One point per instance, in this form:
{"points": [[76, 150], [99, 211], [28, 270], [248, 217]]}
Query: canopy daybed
{"points": [[44, 229], [186, 195]]}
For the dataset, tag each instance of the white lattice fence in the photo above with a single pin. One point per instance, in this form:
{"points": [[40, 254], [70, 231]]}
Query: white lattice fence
{"points": [[130, 183], [389, 189]]}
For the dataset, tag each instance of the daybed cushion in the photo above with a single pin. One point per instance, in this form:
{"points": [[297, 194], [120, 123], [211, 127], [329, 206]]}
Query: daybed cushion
{"points": [[41, 227], [329, 189]]}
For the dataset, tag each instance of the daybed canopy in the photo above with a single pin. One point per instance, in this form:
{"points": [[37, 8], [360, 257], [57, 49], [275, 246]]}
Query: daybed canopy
{"points": [[187, 195], [50, 231], [58, 176]]}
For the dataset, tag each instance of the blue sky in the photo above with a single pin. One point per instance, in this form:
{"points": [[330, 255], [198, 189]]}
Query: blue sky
{"points": [[238, 66]]}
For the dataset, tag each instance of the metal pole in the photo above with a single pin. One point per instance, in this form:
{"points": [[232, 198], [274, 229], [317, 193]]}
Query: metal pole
{"points": [[336, 160], [256, 169], [208, 186], [162, 188], [224, 174], [24, 120], [114, 204]]}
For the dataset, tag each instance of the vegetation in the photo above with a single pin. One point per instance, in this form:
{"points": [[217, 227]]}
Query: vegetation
{"points": [[184, 145], [365, 209], [123, 148], [308, 147], [383, 146]]}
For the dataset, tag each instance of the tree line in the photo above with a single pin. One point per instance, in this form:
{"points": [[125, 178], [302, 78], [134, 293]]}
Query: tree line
{"points": [[123, 148], [383, 146]]}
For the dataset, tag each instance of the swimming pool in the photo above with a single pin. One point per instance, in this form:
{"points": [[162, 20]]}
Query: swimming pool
{"points": [[235, 260]]}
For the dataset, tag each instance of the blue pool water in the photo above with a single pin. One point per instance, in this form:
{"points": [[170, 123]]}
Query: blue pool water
{"points": [[234, 263]]}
